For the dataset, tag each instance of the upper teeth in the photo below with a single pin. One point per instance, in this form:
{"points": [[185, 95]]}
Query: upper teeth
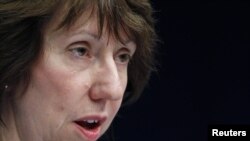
{"points": [[91, 121]]}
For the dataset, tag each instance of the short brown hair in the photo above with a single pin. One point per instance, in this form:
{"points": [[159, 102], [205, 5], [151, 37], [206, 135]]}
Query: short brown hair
{"points": [[21, 37]]}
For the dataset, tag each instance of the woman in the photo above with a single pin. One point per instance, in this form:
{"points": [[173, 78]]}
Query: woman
{"points": [[68, 65]]}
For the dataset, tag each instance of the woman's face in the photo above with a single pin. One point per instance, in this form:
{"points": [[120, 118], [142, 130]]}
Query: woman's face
{"points": [[77, 86]]}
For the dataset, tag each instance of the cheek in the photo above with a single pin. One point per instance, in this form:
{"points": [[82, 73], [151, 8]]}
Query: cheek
{"points": [[123, 74], [123, 84], [50, 80], [56, 85]]}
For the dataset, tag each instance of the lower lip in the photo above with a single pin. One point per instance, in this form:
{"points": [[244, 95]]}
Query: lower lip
{"points": [[91, 135]]}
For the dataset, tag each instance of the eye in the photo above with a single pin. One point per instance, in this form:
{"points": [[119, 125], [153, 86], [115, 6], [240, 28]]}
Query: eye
{"points": [[79, 51], [123, 58]]}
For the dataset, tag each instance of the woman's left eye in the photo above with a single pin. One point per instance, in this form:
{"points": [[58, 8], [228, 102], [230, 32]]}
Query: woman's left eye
{"points": [[123, 58]]}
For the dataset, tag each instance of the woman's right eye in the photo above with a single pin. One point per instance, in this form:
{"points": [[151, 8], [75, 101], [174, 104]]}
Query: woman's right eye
{"points": [[79, 51]]}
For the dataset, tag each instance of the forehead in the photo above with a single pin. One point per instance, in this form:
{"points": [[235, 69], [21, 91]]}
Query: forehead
{"points": [[89, 21]]}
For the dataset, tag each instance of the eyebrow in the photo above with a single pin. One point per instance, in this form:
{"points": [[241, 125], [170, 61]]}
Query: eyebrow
{"points": [[96, 37]]}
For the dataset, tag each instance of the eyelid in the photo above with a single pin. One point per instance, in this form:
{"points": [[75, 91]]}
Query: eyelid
{"points": [[131, 46], [124, 49], [80, 44]]}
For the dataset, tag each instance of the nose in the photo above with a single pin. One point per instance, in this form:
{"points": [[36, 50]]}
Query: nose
{"points": [[106, 84]]}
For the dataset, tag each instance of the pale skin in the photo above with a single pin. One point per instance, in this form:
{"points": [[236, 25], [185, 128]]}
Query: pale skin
{"points": [[78, 75]]}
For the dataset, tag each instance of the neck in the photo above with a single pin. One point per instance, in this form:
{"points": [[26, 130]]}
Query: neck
{"points": [[8, 131]]}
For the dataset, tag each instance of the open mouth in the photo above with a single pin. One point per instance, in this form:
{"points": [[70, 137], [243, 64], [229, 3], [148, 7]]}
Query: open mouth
{"points": [[90, 127], [89, 124]]}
